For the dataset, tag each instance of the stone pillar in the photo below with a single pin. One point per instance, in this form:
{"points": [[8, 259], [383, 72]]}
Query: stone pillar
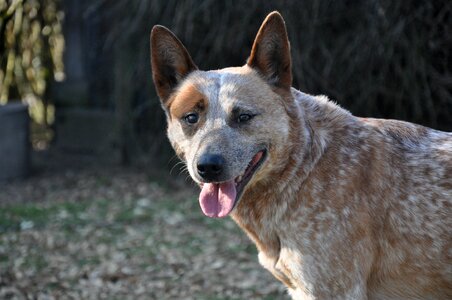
{"points": [[14, 141]]}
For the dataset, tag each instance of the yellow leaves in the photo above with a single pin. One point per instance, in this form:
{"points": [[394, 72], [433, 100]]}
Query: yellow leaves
{"points": [[33, 46]]}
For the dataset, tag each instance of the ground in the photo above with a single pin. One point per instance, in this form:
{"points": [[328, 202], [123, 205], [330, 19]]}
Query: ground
{"points": [[71, 232]]}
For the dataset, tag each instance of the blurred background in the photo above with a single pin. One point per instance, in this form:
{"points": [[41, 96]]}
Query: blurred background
{"points": [[87, 200]]}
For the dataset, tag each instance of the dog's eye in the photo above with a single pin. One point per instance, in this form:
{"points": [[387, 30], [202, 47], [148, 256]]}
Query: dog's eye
{"points": [[244, 118], [191, 118]]}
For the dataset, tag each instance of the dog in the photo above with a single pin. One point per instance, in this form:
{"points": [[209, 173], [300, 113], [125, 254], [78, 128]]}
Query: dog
{"points": [[339, 207]]}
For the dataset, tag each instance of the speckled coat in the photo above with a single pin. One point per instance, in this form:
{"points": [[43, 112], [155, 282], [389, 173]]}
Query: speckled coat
{"points": [[342, 207]]}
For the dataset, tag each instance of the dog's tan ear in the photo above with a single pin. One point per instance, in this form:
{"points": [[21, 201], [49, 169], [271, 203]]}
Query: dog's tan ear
{"points": [[170, 61], [270, 55]]}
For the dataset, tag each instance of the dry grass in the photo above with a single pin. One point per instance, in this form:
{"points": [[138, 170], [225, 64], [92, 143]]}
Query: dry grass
{"points": [[110, 233]]}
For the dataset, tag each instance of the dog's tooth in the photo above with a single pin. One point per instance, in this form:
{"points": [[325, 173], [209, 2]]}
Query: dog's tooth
{"points": [[239, 179]]}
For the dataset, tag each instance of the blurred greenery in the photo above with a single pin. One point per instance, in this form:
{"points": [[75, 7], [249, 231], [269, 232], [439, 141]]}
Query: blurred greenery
{"points": [[31, 53]]}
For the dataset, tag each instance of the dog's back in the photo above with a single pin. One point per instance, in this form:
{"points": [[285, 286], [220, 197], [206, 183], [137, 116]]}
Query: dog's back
{"points": [[416, 225], [390, 182]]}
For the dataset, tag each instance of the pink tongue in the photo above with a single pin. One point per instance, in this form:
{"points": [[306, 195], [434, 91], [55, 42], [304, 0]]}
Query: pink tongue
{"points": [[217, 199]]}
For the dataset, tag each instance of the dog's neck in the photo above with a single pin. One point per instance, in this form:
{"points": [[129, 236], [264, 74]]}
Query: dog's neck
{"points": [[310, 136]]}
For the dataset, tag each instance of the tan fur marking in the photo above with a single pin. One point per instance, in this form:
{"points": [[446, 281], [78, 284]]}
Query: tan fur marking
{"points": [[186, 100]]}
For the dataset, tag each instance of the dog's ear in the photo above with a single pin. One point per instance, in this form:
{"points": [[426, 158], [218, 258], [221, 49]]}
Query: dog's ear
{"points": [[170, 61], [270, 55]]}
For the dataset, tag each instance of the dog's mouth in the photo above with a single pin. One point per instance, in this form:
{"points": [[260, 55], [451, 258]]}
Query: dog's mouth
{"points": [[218, 199]]}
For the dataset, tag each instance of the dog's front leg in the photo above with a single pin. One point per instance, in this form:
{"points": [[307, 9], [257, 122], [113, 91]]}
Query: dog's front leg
{"points": [[270, 263], [357, 293], [326, 278], [297, 287]]}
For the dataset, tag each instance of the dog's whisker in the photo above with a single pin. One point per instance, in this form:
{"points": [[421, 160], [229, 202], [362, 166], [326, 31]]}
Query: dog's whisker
{"points": [[178, 164]]}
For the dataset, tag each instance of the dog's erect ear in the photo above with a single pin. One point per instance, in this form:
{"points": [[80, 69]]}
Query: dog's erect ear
{"points": [[170, 61], [270, 55]]}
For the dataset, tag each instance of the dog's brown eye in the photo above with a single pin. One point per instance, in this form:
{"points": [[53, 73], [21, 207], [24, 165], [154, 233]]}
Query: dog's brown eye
{"points": [[191, 118], [244, 118]]}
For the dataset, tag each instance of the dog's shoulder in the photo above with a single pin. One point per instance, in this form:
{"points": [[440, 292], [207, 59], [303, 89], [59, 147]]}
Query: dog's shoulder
{"points": [[400, 136], [420, 155]]}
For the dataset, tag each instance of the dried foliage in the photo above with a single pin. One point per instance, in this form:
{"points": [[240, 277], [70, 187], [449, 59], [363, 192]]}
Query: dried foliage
{"points": [[114, 234], [31, 53], [385, 58]]}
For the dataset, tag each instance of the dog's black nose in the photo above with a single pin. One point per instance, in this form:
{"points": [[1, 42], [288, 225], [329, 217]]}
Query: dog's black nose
{"points": [[210, 166]]}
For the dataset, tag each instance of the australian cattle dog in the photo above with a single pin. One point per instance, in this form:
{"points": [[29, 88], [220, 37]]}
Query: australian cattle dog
{"points": [[339, 207]]}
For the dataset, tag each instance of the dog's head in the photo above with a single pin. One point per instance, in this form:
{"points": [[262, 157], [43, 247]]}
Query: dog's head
{"points": [[230, 126]]}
